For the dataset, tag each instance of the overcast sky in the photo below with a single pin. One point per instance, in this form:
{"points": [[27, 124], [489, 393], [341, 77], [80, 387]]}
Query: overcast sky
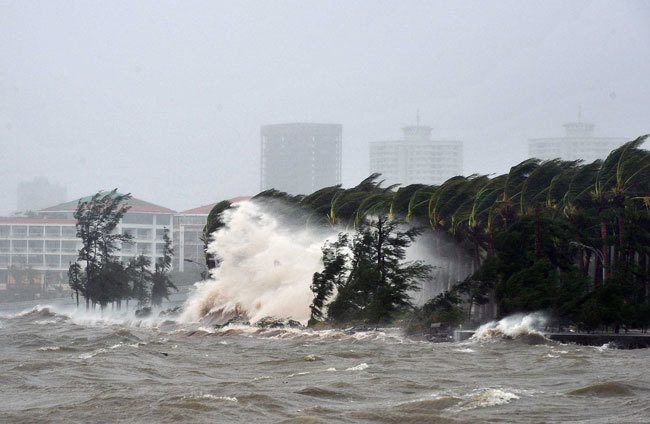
{"points": [[165, 99]]}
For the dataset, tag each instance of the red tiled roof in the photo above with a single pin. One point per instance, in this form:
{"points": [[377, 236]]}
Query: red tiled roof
{"points": [[204, 210], [35, 221]]}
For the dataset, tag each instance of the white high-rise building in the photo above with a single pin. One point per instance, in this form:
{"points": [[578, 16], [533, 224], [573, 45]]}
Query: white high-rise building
{"points": [[417, 159], [578, 143]]}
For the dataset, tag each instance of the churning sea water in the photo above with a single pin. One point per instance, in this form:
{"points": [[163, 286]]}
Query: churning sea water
{"points": [[74, 366]]}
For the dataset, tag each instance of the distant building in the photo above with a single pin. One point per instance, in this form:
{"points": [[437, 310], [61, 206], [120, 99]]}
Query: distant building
{"points": [[46, 245], [578, 143], [39, 250], [188, 232], [300, 158], [417, 158], [38, 193]]}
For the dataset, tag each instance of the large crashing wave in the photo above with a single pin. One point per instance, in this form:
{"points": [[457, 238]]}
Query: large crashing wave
{"points": [[264, 269]]}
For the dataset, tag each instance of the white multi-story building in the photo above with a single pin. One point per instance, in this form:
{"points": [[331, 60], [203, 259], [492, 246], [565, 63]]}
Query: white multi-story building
{"points": [[578, 143], [45, 246], [39, 250], [417, 158]]}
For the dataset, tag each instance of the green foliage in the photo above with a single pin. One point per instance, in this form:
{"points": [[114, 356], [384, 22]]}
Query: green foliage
{"points": [[335, 260], [160, 282], [533, 237], [372, 281], [97, 274], [97, 219], [140, 277]]}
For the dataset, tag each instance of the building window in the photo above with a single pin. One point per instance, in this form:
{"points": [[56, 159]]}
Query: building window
{"points": [[138, 218], [4, 246], [66, 260], [35, 231], [19, 246], [144, 233], [52, 245], [68, 246], [69, 232], [4, 231], [19, 231], [144, 249], [35, 260], [52, 261], [35, 246], [53, 231], [163, 219]]}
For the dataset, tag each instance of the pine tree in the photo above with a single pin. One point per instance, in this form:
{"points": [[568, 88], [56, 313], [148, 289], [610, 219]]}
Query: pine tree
{"points": [[97, 219], [160, 282], [374, 282], [335, 261]]}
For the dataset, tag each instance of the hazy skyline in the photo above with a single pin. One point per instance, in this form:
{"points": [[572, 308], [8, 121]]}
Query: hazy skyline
{"points": [[165, 99]]}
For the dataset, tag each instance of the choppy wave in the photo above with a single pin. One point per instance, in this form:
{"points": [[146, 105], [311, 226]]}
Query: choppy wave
{"points": [[607, 389], [487, 398], [522, 327]]}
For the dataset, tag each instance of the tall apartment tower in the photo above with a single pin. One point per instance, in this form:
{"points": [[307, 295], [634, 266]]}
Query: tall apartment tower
{"points": [[417, 158], [578, 143], [300, 158]]}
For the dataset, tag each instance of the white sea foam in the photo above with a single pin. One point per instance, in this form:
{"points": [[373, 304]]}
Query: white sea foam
{"points": [[359, 367], [486, 398], [512, 326], [49, 348], [264, 269]]}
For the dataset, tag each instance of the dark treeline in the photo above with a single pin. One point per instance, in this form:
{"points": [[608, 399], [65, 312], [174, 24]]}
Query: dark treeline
{"points": [[565, 237], [98, 275]]}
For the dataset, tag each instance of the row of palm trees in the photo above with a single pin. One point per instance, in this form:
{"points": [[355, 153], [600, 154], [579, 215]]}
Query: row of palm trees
{"points": [[603, 208]]}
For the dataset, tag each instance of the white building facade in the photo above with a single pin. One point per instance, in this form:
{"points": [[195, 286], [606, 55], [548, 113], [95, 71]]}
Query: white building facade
{"points": [[579, 142], [417, 159], [41, 249]]}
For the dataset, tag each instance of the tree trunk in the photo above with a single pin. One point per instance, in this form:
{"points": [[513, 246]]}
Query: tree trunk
{"points": [[643, 267], [581, 261], [598, 272], [605, 251], [77, 294], [621, 234], [537, 230]]}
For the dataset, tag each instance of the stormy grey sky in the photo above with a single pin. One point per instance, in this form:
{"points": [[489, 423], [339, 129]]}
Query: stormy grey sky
{"points": [[164, 99]]}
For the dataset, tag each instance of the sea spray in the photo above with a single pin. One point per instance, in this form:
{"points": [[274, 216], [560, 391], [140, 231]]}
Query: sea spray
{"points": [[513, 326], [265, 269]]}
